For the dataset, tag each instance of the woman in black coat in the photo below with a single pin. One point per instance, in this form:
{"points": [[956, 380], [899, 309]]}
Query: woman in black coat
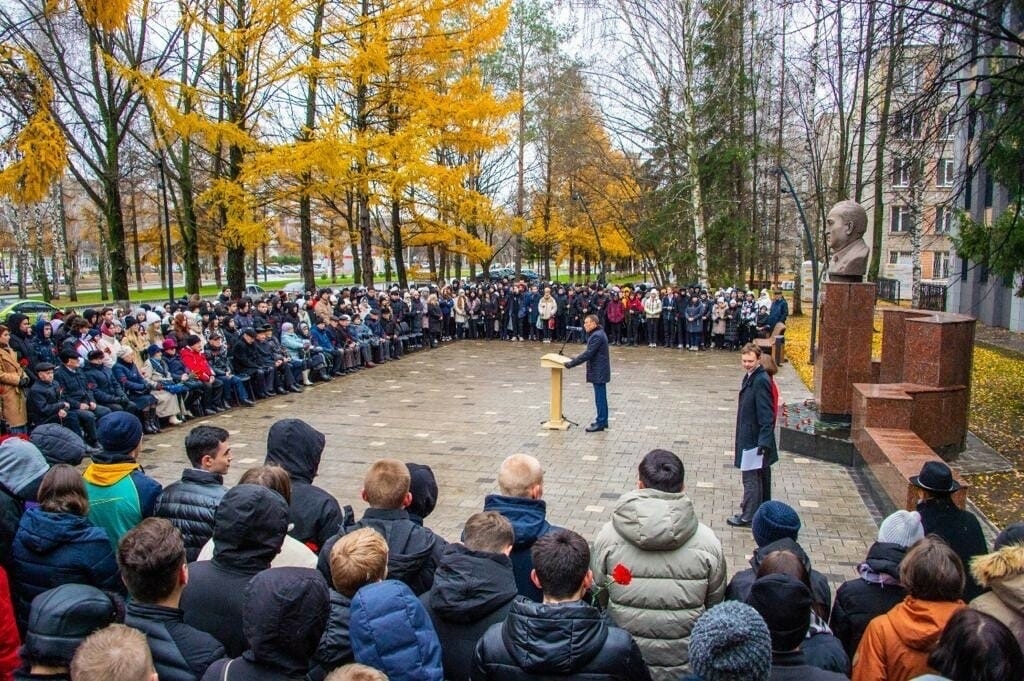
{"points": [[57, 544]]}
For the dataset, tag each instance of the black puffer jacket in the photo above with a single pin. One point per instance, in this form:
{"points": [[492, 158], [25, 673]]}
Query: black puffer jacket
{"points": [[413, 551], [296, 446], [573, 640], [874, 593], [190, 504], [472, 590], [739, 586], [285, 616], [249, 528], [75, 385], [335, 648], [180, 652]]}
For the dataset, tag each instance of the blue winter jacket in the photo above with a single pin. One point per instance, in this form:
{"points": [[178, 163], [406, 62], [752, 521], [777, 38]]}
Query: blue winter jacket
{"points": [[51, 549], [529, 523], [390, 630]]}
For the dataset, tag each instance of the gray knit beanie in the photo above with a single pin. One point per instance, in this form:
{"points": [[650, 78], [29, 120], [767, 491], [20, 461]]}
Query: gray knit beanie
{"points": [[902, 528], [730, 642]]}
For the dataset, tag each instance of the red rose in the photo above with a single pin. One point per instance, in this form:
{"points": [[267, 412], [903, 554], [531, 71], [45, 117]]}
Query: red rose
{"points": [[622, 574], [23, 362]]}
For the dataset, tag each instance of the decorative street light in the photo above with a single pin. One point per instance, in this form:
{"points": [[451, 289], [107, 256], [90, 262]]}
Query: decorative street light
{"points": [[779, 170], [578, 196], [162, 186]]}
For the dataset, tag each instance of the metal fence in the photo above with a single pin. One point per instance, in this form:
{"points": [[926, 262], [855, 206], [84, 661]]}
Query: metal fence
{"points": [[932, 297], [888, 289]]}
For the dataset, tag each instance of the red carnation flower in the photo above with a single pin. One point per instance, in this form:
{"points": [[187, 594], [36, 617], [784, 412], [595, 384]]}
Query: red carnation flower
{"points": [[23, 362], [622, 574]]}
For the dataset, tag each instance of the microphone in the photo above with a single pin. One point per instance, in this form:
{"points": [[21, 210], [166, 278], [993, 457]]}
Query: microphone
{"points": [[574, 328]]}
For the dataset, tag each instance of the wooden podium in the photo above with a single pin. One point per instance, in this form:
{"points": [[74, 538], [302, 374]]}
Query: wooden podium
{"points": [[556, 363]]}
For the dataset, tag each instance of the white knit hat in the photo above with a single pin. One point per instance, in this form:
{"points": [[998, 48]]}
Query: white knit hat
{"points": [[902, 527]]}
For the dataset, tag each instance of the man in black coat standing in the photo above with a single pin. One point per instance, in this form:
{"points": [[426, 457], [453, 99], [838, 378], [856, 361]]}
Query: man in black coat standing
{"points": [[755, 436], [599, 369]]}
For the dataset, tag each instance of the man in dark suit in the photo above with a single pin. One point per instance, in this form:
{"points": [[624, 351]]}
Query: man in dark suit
{"points": [[755, 434], [599, 369]]}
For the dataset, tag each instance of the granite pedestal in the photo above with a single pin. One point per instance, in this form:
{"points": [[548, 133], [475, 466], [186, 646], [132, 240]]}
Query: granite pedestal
{"points": [[844, 347]]}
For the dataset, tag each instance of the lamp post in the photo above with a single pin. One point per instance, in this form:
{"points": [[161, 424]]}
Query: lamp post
{"points": [[162, 186], [777, 171], [577, 196]]}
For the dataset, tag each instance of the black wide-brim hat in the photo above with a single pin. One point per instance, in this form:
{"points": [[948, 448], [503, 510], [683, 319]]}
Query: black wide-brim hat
{"points": [[935, 477]]}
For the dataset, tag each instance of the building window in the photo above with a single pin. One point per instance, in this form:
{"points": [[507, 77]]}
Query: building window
{"points": [[911, 76], [901, 219], [906, 125], [944, 173], [940, 265], [900, 172], [900, 258], [947, 126], [944, 217]]}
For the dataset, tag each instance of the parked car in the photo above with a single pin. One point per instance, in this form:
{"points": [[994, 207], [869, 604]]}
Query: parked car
{"points": [[32, 308], [252, 290], [295, 288]]}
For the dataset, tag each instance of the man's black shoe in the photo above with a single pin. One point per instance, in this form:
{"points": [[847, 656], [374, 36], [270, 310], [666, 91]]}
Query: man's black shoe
{"points": [[595, 427], [247, 403], [737, 521]]}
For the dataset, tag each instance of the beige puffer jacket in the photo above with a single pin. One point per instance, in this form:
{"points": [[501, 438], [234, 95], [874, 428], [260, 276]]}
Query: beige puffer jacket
{"points": [[678, 571]]}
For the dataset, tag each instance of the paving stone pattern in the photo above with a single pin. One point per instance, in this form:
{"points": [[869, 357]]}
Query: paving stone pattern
{"points": [[464, 407]]}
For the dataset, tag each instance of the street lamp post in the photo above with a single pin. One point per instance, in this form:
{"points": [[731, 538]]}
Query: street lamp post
{"points": [[162, 186], [577, 196], [779, 170]]}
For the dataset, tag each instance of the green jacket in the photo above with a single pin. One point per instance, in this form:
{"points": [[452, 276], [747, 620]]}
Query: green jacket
{"points": [[678, 571]]}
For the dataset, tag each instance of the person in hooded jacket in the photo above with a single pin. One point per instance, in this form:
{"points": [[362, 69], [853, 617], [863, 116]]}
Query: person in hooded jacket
{"points": [[152, 561], [819, 647], [249, 528], [56, 544], [296, 446], [390, 631], [22, 468], [896, 645], [677, 564], [1002, 572], [786, 604], [60, 620], [414, 550], [21, 340], [423, 487], [43, 347], [776, 527], [474, 587], [521, 482], [283, 618], [877, 589], [564, 636]]}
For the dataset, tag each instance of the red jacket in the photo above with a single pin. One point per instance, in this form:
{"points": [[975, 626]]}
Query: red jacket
{"points": [[197, 364], [9, 641]]}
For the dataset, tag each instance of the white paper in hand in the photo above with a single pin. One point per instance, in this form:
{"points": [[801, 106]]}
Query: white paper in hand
{"points": [[751, 459]]}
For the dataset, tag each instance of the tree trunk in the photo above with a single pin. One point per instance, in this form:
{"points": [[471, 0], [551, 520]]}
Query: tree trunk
{"points": [[397, 245]]}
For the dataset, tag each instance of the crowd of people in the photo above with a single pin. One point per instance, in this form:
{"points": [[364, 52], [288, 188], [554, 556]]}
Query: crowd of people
{"points": [[197, 357], [108, 576]]}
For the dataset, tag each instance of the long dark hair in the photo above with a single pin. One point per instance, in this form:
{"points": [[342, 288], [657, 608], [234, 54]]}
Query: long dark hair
{"points": [[62, 491]]}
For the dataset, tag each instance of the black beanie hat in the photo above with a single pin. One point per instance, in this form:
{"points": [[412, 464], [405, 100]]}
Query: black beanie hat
{"points": [[423, 486]]}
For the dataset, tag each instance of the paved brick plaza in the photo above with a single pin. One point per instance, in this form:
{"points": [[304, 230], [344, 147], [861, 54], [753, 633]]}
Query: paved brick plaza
{"points": [[464, 407]]}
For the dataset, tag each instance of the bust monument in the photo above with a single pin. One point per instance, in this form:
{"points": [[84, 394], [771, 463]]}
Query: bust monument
{"points": [[844, 233]]}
